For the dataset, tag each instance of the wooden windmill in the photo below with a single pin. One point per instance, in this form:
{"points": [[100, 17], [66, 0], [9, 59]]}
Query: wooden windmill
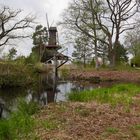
{"points": [[51, 54]]}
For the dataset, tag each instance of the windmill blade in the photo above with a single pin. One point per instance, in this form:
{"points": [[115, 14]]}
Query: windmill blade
{"points": [[47, 21], [52, 23]]}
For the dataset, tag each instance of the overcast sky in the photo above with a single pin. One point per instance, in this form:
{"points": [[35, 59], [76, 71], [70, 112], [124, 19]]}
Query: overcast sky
{"points": [[53, 8]]}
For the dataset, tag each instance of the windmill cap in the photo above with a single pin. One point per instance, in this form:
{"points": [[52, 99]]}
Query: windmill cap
{"points": [[52, 29]]}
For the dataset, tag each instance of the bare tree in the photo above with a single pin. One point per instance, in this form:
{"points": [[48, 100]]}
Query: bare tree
{"points": [[116, 18], [12, 26], [103, 21], [81, 18], [132, 40]]}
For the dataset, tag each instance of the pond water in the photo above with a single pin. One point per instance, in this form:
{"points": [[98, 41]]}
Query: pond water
{"points": [[48, 89]]}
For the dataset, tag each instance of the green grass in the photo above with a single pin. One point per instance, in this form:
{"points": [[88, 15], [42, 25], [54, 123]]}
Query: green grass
{"points": [[135, 130], [118, 67], [5, 133], [20, 125], [15, 75], [83, 112], [27, 108], [49, 124], [137, 126], [64, 73], [112, 130], [121, 93]]}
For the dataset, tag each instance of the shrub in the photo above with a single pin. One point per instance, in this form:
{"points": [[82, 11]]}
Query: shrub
{"points": [[20, 125], [12, 80], [136, 61], [27, 108], [13, 74], [5, 133], [65, 73]]}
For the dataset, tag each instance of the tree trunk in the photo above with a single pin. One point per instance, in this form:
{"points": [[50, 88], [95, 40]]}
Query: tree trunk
{"points": [[111, 53], [84, 59], [95, 34], [96, 58]]}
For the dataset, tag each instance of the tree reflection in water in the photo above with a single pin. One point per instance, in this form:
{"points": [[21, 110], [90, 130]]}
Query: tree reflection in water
{"points": [[47, 89]]}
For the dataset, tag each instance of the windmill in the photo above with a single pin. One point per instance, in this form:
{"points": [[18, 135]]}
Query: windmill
{"points": [[51, 54], [47, 20], [52, 35]]}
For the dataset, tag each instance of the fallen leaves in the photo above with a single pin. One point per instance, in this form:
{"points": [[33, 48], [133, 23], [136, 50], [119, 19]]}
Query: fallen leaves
{"points": [[90, 121], [106, 75]]}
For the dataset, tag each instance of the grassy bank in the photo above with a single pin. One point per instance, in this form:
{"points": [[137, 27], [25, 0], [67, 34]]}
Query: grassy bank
{"points": [[20, 125], [118, 94], [90, 121], [91, 118], [13, 74], [23, 124]]}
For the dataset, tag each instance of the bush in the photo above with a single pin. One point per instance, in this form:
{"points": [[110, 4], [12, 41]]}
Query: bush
{"points": [[65, 73], [20, 125], [14, 80], [27, 108], [14, 74], [5, 133], [40, 67], [136, 61]]}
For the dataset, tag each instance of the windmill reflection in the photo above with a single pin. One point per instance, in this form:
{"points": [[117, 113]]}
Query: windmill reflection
{"points": [[1, 109], [45, 90]]}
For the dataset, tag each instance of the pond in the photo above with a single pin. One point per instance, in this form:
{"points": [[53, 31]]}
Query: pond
{"points": [[49, 89]]}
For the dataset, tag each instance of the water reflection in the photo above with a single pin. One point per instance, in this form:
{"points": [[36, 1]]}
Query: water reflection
{"points": [[45, 90], [48, 89]]}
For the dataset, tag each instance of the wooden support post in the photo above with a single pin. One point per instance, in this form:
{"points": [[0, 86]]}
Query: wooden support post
{"points": [[55, 65], [55, 75], [1, 109]]}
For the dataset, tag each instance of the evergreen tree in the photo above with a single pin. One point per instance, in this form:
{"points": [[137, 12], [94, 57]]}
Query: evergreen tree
{"points": [[40, 38], [121, 54], [82, 50]]}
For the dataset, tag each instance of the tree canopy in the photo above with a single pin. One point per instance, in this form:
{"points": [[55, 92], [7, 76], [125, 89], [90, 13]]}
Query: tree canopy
{"points": [[40, 39]]}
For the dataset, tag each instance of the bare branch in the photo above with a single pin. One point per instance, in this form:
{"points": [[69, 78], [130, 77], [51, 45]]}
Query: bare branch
{"points": [[11, 24]]}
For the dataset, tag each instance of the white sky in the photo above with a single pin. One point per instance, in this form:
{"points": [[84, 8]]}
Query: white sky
{"points": [[53, 8]]}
